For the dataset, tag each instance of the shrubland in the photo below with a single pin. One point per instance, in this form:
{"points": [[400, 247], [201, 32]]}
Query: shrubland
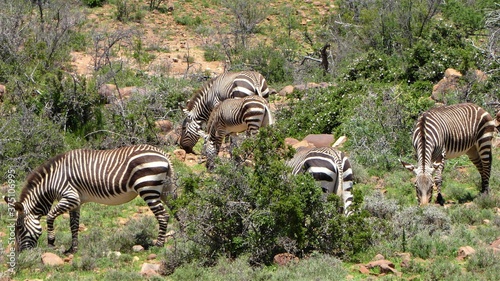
{"points": [[383, 59]]}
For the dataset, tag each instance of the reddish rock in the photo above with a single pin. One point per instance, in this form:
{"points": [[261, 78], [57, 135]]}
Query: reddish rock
{"points": [[320, 140], [384, 265], [2, 91], [51, 259], [165, 126], [150, 269], [286, 90], [465, 252], [290, 141], [495, 245], [285, 258], [303, 143], [180, 154]]}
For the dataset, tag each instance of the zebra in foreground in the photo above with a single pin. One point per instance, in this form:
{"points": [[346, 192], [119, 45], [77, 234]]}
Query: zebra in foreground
{"points": [[225, 86], [234, 116], [447, 132], [330, 167], [110, 177]]}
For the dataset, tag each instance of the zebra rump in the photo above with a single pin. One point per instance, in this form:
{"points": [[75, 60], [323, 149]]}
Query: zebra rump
{"points": [[232, 116], [329, 167]]}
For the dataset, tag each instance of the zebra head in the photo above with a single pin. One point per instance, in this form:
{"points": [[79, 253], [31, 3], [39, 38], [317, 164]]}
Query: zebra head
{"points": [[189, 134], [27, 228], [424, 182]]}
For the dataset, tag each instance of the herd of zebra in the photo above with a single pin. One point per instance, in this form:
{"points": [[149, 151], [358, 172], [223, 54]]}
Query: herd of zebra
{"points": [[232, 102]]}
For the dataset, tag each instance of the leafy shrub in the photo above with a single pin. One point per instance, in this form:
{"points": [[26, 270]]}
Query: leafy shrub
{"points": [[139, 231], [378, 206], [411, 221], [264, 210]]}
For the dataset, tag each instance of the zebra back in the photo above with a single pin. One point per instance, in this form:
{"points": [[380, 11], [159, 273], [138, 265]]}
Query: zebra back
{"points": [[452, 130], [330, 167]]}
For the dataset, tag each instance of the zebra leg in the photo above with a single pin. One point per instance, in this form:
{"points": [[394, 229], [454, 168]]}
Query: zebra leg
{"points": [[74, 223], [161, 215], [483, 165], [438, 180], [64, 205]]}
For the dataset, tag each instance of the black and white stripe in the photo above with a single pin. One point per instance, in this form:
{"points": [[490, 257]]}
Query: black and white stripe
{"points": [[328, 166], [234, 116], [110, 177], [225, 86], [447, 132]]}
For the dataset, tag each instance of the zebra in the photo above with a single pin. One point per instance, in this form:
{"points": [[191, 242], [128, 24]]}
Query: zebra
{"points": [[110, 177], [225, 86], [234, 116], [328, 166], [447, 132]]}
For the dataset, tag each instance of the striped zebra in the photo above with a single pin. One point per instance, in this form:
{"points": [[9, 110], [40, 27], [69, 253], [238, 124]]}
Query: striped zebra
{"points": [[328, 166], [225, 86], [234, 116], [447, 132], [110, 177]]}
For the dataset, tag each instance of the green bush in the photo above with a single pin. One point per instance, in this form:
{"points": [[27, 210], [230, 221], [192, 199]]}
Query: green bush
{"points": [[263, 210]]}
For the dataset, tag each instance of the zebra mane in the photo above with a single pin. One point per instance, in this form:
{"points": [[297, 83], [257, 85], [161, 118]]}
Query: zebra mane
{"points": [[423, 143], [199, 94], [36, 175]]}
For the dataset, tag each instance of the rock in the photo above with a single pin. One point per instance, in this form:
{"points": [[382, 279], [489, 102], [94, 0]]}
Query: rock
{"points": [[286, 90], [180, 154], [291, 141], [51, 259], [378, 257], [135, 258], [285, 258], [320, 140], [384, 265], [303, 144], [137, 248], [465, 252], [451, 73], [151, 257], [150, 269], [448, 83], [165, 126], [405, 259], [363, 269]]}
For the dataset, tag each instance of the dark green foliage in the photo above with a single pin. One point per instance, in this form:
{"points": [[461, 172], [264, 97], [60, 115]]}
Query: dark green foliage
{"points": [[265, 210]]}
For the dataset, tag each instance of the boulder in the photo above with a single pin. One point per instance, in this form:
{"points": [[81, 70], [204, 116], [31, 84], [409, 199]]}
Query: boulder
{"points": [[448, 83], [465, 252], [285, 259], [291, 141], [320, 140], [51, 259], [303, 143], [150, 269], [180, 154], [2, 91], [165, 126], [286, 90]]}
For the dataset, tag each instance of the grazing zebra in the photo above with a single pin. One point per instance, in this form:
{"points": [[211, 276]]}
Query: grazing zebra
{"points": [[447, 132], [234, 116], [110, 177], [225, 86], [330, 167]]}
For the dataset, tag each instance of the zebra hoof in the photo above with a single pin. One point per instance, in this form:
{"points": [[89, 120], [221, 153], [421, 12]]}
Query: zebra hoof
{"points": [[440, 199], [70, 251]]}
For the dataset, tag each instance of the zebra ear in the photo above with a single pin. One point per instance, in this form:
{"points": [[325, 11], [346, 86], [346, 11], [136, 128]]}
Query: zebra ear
{"points": [[408, 166]]}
